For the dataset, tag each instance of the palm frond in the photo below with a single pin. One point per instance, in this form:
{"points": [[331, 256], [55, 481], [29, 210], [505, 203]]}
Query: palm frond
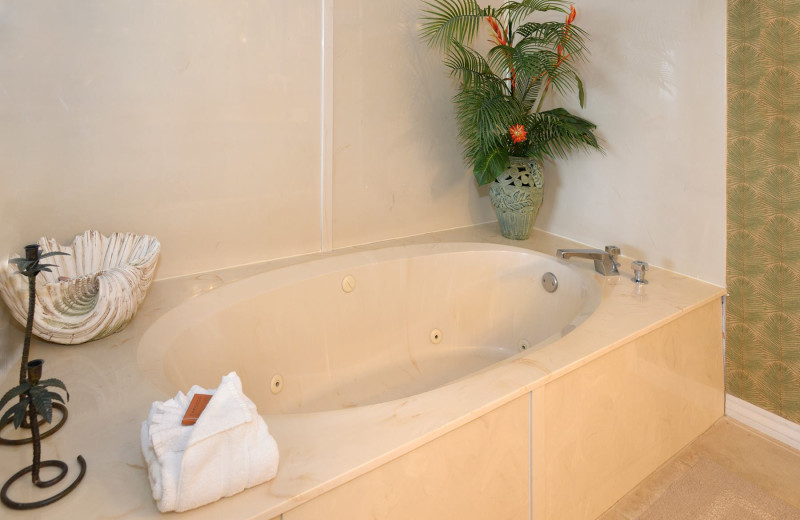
{"points": [[16, 412], [21, 263], [529, 88], [484, 117], [548, 55], [561, 74], [581, 91], [556, 132], [529, 69], [446, 21], [546, 32], [500, 57], [42, 402], [57, 397], [53, 253], [471, 68], [14, 392], [549, 34], [54, 382], [520, 10]]}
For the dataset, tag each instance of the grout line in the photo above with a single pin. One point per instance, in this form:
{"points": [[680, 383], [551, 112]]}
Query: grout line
{"points": [[326, 130], [530, 455]]}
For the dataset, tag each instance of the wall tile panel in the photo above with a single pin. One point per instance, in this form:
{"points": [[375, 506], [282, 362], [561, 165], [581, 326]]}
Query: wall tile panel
{"points": [[196, 122], [397, 166]]}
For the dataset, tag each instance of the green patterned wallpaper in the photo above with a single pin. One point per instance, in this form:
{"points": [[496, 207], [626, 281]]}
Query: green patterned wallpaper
{"points": [[763, 345]]}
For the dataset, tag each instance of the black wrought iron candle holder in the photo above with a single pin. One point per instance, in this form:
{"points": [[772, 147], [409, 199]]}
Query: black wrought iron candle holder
{"points": [[33, 394], [30, 267]]}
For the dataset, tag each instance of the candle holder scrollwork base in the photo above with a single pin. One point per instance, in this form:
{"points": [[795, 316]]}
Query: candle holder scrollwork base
{"points": [[13, 504], [34, 400]]}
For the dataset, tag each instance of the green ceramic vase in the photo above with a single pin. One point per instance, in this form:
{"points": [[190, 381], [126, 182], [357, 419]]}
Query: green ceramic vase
{"points": [[516, 195]]}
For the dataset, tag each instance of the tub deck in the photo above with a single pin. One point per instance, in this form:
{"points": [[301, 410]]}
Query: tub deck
{"points": [[321, 451]]}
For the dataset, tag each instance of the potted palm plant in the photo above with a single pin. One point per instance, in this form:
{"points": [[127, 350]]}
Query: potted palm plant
{"points": [[503, 128]]}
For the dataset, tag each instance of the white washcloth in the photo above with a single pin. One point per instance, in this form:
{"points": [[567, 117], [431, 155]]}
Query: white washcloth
{"points": [[227, 450]]}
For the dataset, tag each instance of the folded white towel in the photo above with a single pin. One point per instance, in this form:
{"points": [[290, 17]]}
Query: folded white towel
{"points": [[227, 450]]}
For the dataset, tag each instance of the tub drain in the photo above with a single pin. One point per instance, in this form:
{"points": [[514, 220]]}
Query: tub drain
{"points": [[276, 385], [549, 282]]}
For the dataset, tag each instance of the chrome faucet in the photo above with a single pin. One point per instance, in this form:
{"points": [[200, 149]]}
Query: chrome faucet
{"points": [[605, 262]]}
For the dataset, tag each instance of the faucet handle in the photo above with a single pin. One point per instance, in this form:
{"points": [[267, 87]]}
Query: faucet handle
{"points": [[613, 252], [639, 268]]}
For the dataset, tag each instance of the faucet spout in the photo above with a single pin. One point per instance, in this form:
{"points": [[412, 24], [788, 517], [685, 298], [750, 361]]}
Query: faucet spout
{"points": [[604, 261]]}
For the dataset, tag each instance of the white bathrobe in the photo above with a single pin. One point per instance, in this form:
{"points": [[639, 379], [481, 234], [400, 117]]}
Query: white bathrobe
{"points": [[227, 450]]}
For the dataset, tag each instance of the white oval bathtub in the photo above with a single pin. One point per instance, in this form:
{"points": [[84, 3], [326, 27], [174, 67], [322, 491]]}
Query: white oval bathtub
{"points": [[361, 328]]}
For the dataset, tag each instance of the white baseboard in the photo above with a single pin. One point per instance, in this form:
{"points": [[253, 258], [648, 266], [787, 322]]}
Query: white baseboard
{"points": [[766, 422]]}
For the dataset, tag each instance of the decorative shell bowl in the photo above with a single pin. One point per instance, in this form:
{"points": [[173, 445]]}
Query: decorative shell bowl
{"points": [[93, 292]]}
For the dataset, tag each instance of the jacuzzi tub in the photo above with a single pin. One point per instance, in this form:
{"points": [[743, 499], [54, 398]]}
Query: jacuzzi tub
{"points": [[368, 327], [559, 430]]}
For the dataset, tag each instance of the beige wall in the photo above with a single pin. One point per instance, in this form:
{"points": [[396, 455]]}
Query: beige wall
{"points": [[659, 192], [11, 335], [194, 121], [201, 122], [396, 158], [655, 86], [197, 122]]}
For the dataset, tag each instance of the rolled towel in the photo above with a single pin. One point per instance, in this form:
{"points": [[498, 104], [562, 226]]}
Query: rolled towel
{"points": [[227, 450]]}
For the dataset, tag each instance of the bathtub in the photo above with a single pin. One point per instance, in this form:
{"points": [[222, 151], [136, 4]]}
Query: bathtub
{"points": [[368, 327], [428, 377]]}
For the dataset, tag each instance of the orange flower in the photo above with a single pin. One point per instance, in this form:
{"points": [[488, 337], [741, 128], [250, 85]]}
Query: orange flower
{"points": [[499, 35], [560, 48], [518, 134], [499, 38], [570, 18]]}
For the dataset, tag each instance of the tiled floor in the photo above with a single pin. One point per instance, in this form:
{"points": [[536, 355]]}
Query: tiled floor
{"points": [[772, 466]]}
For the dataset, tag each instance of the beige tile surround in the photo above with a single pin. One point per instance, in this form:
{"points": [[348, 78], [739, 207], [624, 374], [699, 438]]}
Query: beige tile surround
{"points": [[480, 470], [609, 424], [324, 451], [596, 432]]}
